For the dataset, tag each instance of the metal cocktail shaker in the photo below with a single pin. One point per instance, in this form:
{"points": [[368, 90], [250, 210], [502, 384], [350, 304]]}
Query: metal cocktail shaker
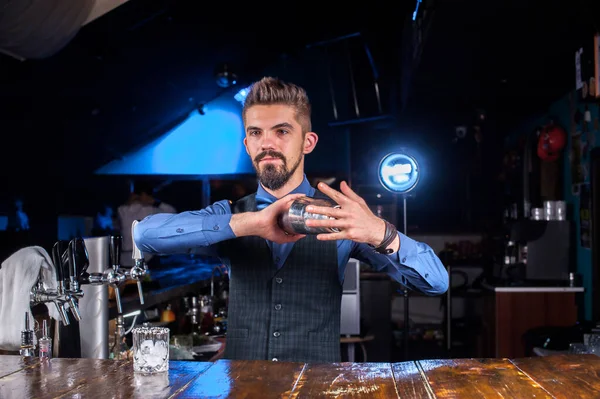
{"points": [[294, 220]]}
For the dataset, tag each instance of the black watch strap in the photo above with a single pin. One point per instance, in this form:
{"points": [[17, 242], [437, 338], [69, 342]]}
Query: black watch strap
{"points": [[388, 238]]}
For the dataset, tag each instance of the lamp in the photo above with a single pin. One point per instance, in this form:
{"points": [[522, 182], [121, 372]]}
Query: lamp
{"points": [[399, 173]]}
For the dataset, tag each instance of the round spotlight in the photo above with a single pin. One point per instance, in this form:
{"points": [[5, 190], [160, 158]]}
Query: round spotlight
{"points": [[224, 76], [399, 173]]}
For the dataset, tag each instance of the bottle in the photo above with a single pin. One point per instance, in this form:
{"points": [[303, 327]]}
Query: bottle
{"points": [[117, 350], [167, 316], [27, 346], [45, 343]]}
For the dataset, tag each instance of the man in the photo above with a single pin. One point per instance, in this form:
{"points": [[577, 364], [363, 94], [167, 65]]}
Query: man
{"points": [[285, 289]]}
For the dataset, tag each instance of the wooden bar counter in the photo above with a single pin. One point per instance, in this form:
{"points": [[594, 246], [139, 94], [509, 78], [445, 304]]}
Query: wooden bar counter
{"points": [[565, 376]]}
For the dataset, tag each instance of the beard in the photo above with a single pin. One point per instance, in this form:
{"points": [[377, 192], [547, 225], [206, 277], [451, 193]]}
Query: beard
{"points": [[273, 176]]}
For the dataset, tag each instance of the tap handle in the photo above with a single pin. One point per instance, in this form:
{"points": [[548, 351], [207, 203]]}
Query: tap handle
{"points": [[115, 251], [64, 259], [56, 259], [80, 256], [136, 254]]}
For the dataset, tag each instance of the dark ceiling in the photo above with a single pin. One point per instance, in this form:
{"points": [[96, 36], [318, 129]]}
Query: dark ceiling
{"points": [[132, 73]]}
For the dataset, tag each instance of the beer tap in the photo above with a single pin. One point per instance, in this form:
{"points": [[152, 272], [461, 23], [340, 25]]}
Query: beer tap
{"points": [[66, 291], [112, 275], [116, 275], [78, 262], [139, 269], [60, 298]]}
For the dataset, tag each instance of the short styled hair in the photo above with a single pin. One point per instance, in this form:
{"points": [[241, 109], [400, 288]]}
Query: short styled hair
{"points": [[272, 91]]}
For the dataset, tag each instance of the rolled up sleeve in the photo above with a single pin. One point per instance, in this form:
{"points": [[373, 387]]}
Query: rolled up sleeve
{"points": [[192, 231]]}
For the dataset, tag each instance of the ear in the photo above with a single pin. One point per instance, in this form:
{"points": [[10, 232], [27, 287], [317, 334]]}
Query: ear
{"points": [[310, 142], [246, 145]]}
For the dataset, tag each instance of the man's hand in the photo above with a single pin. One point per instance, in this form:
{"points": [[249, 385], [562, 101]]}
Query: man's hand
{"points": [[264, 223], [354, 219]]}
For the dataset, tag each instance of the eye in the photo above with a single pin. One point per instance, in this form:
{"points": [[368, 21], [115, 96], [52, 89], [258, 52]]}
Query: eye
{"points": [[254, 132], [282, 131]]}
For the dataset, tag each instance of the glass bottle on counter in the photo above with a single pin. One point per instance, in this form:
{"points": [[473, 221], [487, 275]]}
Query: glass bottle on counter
{"points": [[119, 349], [45, 343]]}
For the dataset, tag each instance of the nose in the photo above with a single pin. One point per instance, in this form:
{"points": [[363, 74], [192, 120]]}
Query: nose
{"points": [[268, 141]]}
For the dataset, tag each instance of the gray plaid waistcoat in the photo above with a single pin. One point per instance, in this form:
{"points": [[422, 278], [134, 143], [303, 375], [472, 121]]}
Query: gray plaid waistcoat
{"points": [[286, 314]]}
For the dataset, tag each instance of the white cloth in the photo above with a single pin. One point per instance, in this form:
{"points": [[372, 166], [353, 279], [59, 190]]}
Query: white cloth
{"points": [[19, 273]]}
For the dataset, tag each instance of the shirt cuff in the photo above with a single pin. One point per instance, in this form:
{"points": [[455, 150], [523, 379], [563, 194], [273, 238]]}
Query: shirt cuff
{"points": [[408, 249]]}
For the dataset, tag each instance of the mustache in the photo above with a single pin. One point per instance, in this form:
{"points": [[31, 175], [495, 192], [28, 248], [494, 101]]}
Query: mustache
{"points": [[269, 153]]}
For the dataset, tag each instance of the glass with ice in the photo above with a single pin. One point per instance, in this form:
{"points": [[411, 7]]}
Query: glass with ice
{"points": [[150, 349]]}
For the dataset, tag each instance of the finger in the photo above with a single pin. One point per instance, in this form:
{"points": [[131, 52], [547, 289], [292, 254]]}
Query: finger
{"points": [[349, 192], [331, 236], [338, 224], [337, 213], [333, 194], [287, 200]]}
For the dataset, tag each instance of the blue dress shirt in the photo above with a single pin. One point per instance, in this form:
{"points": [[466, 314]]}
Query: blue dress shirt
{"points": [[415, 265]]}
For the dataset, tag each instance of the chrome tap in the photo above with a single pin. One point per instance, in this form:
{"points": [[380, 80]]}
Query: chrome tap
{"points": [[139, 269], [113, 275], [116, 275], [69, 266]]}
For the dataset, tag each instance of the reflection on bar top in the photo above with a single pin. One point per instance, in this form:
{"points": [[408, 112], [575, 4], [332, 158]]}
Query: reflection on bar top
{"points": [[539, 289]]}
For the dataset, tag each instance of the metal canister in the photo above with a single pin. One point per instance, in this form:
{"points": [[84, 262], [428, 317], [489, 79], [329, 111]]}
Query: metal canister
{"points": [[294, 220]]}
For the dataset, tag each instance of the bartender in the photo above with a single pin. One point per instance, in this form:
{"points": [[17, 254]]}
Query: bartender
{"points": [[286, 289]]}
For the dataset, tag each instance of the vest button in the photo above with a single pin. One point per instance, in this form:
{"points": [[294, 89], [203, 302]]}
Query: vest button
{"points": [[278, 306], [275, 359], [278, 280], [276, 334]]}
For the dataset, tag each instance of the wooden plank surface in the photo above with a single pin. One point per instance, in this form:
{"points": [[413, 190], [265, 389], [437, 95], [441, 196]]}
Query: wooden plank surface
{"points": [[565, 376], [245, 379], [10, 364], [124, 383], [410, 382], [568, 376], [344, 380], [479, 378], [55, 378]]}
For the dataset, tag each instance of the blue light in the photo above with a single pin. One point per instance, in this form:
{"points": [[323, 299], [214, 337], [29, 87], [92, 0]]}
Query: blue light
{"points": [[414, 16], [399, 173], [208, 144], [242, 94]]}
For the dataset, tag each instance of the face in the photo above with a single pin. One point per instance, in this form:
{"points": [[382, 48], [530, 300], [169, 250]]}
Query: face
{"points": [[276, 144]]}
